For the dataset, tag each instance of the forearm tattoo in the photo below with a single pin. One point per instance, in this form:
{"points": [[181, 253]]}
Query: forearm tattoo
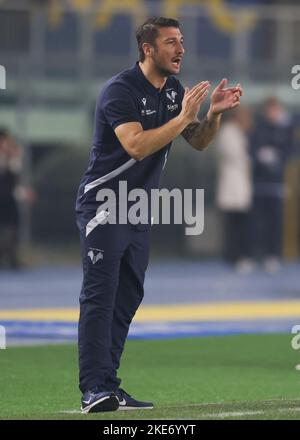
{"points": [[194, 129], [200, 133]]}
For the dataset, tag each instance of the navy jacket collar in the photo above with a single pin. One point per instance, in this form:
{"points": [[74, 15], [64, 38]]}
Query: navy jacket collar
{"points": [[147, 84]]}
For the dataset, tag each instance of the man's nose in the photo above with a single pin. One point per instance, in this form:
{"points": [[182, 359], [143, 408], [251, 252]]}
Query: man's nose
{"points": [[180, 49]]}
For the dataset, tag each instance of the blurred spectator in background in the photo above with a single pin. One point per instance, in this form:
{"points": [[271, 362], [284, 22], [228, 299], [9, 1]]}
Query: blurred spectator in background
{"points": [[234, 187], [271, 147], [10, 193]]}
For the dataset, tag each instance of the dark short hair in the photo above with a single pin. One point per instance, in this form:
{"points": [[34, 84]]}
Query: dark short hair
{"points": [[148, 31]]}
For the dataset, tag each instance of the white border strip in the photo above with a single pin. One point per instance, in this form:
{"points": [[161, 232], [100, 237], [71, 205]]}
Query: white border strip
{"points": [[109, 176], [2, 77]]}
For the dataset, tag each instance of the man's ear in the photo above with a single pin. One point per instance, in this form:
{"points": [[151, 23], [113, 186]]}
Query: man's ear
{"points": [[148, 49]]}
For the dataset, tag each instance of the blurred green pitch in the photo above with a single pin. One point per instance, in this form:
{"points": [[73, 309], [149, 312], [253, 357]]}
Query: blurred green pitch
{"points": [[239, 377]]}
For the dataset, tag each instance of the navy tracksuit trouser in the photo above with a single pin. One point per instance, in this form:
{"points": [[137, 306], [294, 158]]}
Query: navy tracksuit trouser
{"points": [[267, 217], [115, 258]]}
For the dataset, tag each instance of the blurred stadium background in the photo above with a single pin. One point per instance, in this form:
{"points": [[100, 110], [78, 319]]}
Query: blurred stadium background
{"points": [[57, 55]]}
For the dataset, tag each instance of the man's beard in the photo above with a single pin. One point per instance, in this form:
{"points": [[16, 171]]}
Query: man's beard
{"points": [[162, 71]]}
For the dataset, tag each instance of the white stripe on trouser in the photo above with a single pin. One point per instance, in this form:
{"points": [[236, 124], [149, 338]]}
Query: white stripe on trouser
{"points": [[110, 175], [95, 221]]}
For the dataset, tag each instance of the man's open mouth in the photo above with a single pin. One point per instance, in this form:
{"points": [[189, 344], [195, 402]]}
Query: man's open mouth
{"points": [[176, 61]]}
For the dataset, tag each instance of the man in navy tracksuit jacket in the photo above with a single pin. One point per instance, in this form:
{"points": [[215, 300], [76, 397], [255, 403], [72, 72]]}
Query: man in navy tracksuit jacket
{"points": [[138, 114]]}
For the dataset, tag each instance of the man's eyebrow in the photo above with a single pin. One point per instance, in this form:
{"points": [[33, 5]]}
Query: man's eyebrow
{"points": [[173, 38]]}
